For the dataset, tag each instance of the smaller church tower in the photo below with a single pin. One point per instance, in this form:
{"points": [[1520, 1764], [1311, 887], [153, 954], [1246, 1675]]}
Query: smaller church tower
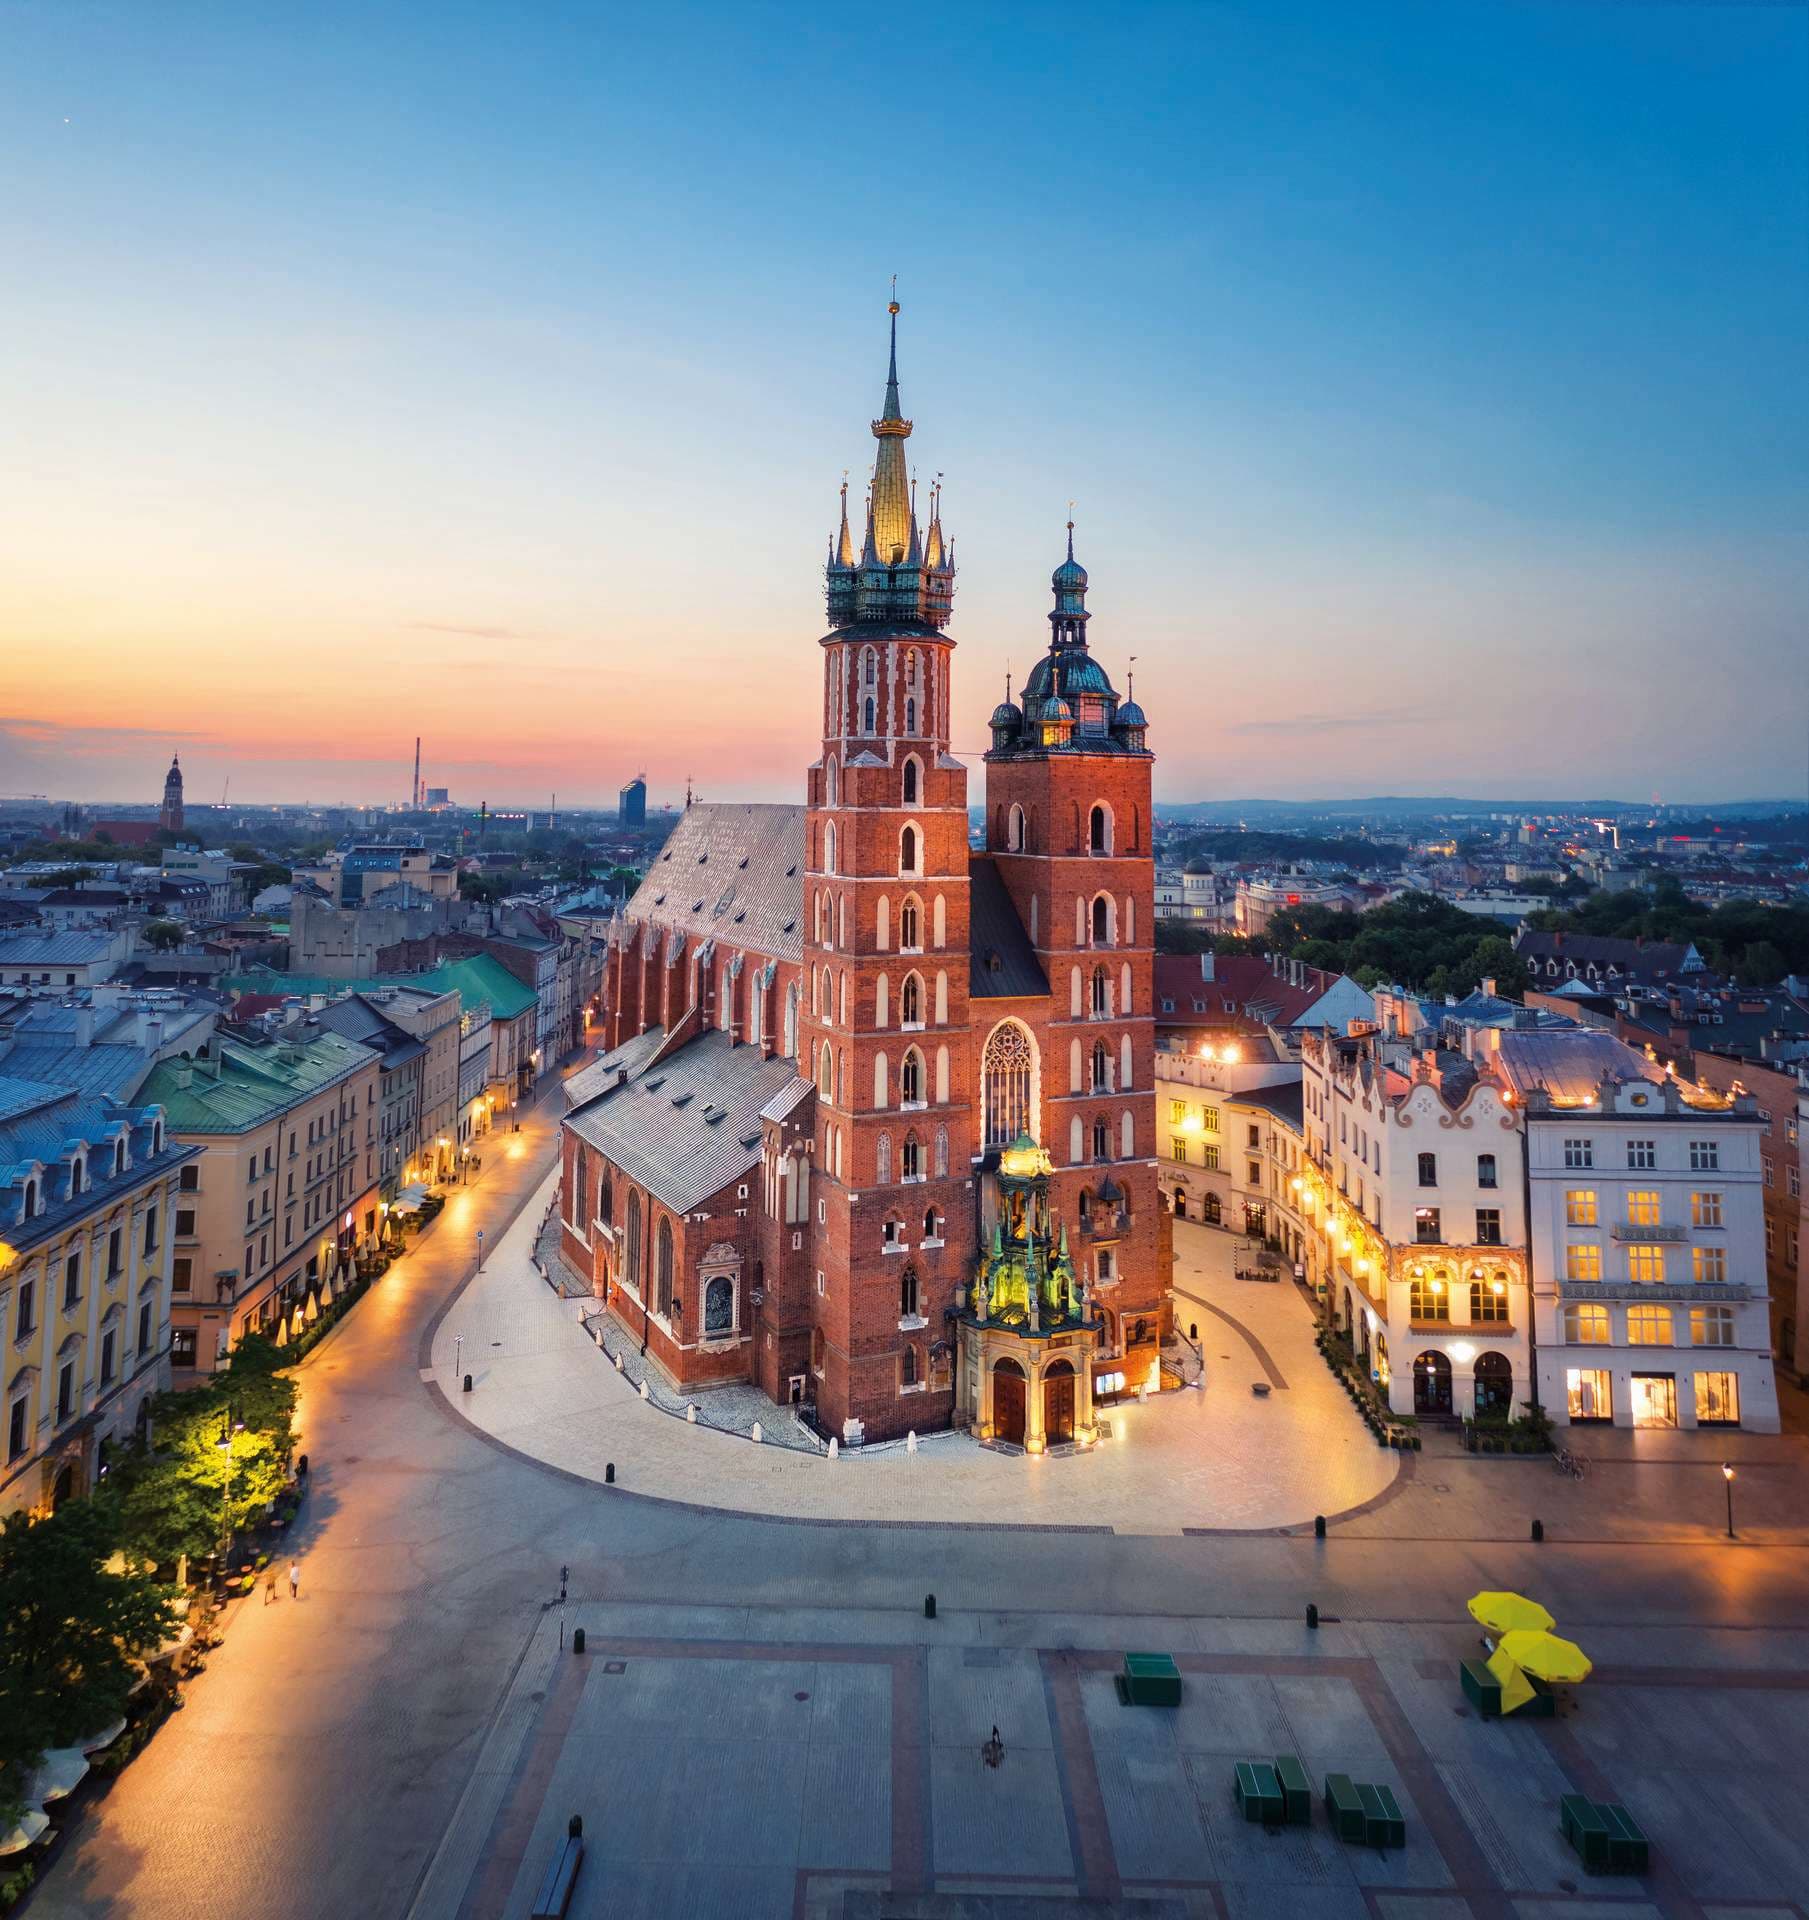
{"points": [[170, 818]]}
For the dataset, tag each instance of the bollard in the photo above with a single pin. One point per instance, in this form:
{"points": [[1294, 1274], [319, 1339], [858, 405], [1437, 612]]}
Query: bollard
{"points": [[644, 1393], [1319, 1526], [301, 1467], [691, 1413], [929, 1606], [911, 1441], [758, 1434], [574, 1827], [467, 1383], [609, 1473], [577, 1639], [1193, 1331], [1538, 1529], [618, 1361], [834, 1447], [1312, 1616]]}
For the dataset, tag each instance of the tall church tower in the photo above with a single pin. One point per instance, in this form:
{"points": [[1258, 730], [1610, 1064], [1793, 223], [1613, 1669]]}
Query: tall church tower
{"points": [[884, 1029], [1068, 830], [170, 816]]}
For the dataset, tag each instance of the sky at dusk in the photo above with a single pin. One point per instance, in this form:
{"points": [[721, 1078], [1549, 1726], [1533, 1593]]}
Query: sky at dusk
{"points": [[1430, 380]]}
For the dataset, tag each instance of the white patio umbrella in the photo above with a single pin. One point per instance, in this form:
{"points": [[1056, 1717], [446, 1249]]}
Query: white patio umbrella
{"points": [[59, 1772], [32, 1823], [106, 1737]]}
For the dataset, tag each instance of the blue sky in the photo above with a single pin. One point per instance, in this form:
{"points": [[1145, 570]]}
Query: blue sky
{"points": [[1430, 380]]}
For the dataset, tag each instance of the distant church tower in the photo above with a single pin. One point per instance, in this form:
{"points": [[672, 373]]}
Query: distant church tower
{"points": [[171, 816]]}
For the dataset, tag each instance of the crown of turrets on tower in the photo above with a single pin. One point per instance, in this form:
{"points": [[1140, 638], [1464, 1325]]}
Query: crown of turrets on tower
{"points": [[1069, 702], [900, 575]]}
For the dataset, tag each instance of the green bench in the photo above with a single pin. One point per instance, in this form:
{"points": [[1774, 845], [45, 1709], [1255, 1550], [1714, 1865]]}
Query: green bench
{"points": [[1383, 1824], [1605, 1836], [1149, 1680], [1296, 1788], [1481, 1688], [1363, 1814], [1258, 1793]]}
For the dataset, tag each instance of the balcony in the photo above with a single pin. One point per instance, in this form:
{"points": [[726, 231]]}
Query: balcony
{"points": [[1703, 1292], [1665, 1236]]}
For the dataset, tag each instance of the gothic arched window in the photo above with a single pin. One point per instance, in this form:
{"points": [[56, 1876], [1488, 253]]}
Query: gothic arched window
{"points": [[909, 931], [882, 1160], [606, 1199], [910, 782], [1102, 909], [825, 1071], [870, 667], [911, 1166], [634, 1241], [910, 714], [910, 1001], [1099, 831], [1102, 992], [791, 1022], [663, 1298], [907, 1366], [1102, 1139], [1007, 1070], [867, 715], [1014, 830], [910, 1078], [907, 850], [1102, 1071]]}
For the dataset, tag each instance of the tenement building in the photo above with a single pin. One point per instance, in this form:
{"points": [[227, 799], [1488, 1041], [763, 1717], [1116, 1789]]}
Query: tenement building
{"points": [[875, 1127]]}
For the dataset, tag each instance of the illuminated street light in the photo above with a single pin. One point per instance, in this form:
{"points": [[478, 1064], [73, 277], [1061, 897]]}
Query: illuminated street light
{"points": [[1727, 1473]]}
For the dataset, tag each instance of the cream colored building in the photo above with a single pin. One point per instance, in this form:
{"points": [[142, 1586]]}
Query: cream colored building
{"points": [[88, 1191], [433, 1016], [285, 1192]]}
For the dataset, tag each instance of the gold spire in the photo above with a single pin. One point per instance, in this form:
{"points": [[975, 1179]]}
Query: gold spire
{"points": [[891, 489]]}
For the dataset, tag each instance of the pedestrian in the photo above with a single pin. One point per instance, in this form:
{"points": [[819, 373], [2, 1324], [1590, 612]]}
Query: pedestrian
{"points": [[294, 1579], [270, 1586]]}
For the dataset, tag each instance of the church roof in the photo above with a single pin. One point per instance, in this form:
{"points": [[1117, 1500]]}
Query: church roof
{"points": [[731, 873], [1002, 964], [686, 1128]]}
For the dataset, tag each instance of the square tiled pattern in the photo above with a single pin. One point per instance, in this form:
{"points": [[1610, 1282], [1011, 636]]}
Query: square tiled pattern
{"points": [[1009, 1819], [707, 1784]]}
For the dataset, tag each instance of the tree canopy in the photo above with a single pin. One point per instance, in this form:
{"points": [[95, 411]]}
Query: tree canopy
{"points": [[71, 1633], [1756, 943]]}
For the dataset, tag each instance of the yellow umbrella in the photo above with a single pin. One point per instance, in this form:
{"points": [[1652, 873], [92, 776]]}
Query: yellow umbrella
{"points": [[1546, 1656], [1509, 1613], [1516, 1688]]}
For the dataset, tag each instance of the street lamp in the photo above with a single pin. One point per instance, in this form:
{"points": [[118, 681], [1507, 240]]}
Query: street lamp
{"points": [[1727, 1474], [480, 1249], [228, 1427]]}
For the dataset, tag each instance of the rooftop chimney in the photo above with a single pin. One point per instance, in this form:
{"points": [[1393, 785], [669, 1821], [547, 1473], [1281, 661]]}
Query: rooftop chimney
{"points": [[1206, 960], [1488, 986], [84, 1026], [153, 1034]]}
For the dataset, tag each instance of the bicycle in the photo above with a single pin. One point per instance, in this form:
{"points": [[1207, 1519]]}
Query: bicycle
{"points": [[1574, 1464]]}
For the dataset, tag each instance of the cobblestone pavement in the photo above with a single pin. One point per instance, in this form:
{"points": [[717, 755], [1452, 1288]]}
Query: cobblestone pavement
{"points": [[1212, 1458], [383, 1738]]}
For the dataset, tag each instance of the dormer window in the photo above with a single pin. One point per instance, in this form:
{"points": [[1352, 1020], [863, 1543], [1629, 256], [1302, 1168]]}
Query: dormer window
{"points": [[29, 1211], [119, 1157]]}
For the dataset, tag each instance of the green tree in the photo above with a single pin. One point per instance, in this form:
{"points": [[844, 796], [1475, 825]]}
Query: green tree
{"points": [[179, 1494], [164, 935], [1762, 965], [71, 1631]]}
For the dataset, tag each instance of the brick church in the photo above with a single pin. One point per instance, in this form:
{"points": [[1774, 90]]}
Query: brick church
{"points": [[874, 1126]]}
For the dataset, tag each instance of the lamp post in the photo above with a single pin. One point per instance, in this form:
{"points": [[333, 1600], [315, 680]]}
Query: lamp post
{"points": [[1727, 1474], [228, 1427], [480, 1249]]}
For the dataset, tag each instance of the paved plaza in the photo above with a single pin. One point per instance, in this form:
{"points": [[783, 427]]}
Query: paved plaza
{"points": [[769, 1778], [409, 1736], [1216, 1457]]}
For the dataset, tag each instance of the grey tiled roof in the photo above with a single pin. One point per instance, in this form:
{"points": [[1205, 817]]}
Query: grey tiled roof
{"points": [[1284, 1100], [732, 873], [600, 1075], [688, 1127], [1002, 964]]}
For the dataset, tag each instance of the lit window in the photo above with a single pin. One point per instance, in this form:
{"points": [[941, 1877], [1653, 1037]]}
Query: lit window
{"points": [[1642, 1208], [1648, 1326], [1586, 1326], [1717, 1399], [1579, 1207], [1712, 1326], [1583, 1261], [1646, 1264], [1705, 1209], [1589, 1393], [1710, 1265]]}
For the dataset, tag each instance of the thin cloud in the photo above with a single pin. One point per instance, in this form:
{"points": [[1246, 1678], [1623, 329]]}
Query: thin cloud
{"points": [[96, 740], [470, 633], [1328, 722]]}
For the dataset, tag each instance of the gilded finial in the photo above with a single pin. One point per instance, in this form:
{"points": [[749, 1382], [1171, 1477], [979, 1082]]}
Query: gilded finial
{"points": [[893, 307]]}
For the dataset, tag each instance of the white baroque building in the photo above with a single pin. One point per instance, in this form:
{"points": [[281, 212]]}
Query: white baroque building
{"points": [[1647, 1236]]}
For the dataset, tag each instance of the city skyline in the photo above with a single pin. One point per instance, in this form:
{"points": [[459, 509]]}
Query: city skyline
{"points": [[1430, 397]]}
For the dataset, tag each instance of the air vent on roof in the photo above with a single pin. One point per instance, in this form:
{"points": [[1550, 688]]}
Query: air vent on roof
{"points": [[791, 873], [702, 857], [697, 906], [713, 1114], [653, 1086], [750, 1139], [659, 899], [742, 862], [682, 1099], [993, 963], [665, 856], [788, 926], [742, 915]]}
